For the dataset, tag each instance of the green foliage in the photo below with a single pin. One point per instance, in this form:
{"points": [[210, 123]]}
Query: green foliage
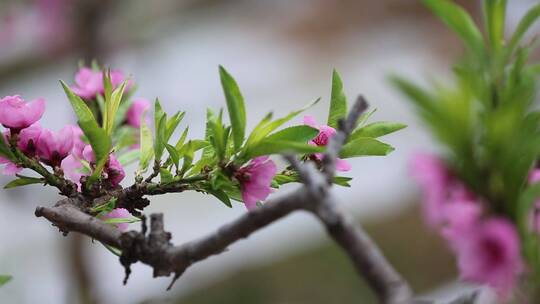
{"points": [[486, 118], [365, 146], [4, 279], [235, 106], [377, 129], [338, 101], [23, 181], [98, 138], [146, 151]]}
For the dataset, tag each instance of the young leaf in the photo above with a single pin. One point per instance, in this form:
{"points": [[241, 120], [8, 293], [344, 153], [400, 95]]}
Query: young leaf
{"points": [[98, 138], [365, 146], [338, 101], [165, 176], [342, 181], [146, 146], [376, 129], [23, 181], [173, 154], [297, 133], [4, 279], [172, 124], [129, 157], [266, 126], [267, 147], [221, 195], [530, 17], [494, 12], [235, 106], [161, 130], [459, 21], [112, 107]]}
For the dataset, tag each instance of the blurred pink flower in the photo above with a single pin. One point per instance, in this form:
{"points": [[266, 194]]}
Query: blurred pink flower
{"points": [[28, 139], [135, 112], [17, 114], [113, 171], [440, 188], [89, 83], [255, 179], [53, 147], [118, 213], [490, 254], [78, 143], [325, 133]]}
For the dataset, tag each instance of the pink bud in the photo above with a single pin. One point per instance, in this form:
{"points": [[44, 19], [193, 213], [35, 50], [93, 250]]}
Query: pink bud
{"points": [[28, 139], [113, 171], [135, 112], [9, 168], [325, 133], [17, 114], [89, 83], [255, 180], [54, 147]]}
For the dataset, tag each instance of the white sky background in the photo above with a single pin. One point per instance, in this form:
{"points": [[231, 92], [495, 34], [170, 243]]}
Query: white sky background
{"points": [[274, 74]]}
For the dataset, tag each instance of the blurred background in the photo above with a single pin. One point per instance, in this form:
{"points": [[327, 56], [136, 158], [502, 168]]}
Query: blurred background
{"points": [[282, 54]]}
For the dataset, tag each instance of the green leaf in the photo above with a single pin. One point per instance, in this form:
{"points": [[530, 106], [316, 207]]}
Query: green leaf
{"points": [[188, 157], [98, 138], [101, 145], [266, 126], [222, 196], [296, 133], [268, 147], [342, 181], [146, 146], [530, 17], [338, 101], [118, 220], [112, 105], [365, 146], [5, 151], [494, 14], [165, 176], [235, 106], [23, 181], [172, 124], [377, 129], [173, 154], [530, 242], [4, 279], [129, 157], [161, 130], [459, 21]]}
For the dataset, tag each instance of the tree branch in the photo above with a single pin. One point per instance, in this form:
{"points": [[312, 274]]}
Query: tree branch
{"points": [[154, 248]]}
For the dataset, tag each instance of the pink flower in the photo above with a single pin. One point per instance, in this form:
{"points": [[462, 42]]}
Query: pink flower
{"points": [[113, 171], [439, 187], [89, 83], [71, 165], [255, 179], [135, 112], [54, 147], [28, 139], [325, 133], [118, 213], [10, 168], [490, 254], [17, 114]]}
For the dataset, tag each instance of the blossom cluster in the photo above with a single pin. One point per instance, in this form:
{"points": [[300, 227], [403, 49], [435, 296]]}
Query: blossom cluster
{"points": [[486, 245], [113, 131]]}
